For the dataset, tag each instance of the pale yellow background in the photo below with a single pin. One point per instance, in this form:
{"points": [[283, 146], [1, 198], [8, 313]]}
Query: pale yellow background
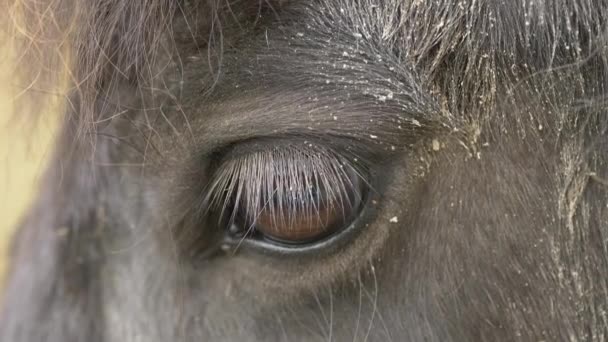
{"points": [[25, 145]]}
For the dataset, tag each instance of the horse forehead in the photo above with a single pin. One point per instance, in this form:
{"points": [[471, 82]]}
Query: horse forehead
{"points": [[472, 54]]}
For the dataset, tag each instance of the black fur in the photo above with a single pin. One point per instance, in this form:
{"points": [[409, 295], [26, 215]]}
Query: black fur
{"points": [[480, 124]]}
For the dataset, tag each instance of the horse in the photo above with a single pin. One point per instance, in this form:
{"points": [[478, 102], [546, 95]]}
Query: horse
{"points": [[316, 170]]}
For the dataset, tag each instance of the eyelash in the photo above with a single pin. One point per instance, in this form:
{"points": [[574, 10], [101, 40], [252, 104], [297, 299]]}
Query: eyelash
{"points": [[282, 179]]}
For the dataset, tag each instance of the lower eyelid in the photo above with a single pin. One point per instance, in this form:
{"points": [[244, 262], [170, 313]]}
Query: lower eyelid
{"points": [[328, 245]]}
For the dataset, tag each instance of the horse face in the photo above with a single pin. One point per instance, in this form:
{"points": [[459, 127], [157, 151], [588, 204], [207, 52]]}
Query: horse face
{"points": [[328, 170]]}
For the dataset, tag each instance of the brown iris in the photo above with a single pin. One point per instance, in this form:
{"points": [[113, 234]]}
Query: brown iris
{"points": [[301, 226]]}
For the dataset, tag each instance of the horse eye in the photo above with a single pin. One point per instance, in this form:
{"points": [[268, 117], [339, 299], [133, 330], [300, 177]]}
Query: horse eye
{"points": [[293, 195]]}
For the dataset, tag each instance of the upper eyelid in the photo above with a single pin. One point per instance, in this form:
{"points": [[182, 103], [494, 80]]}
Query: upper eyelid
{"points": [[245, 119], [231, 189], [304, 148], [346, 147]]}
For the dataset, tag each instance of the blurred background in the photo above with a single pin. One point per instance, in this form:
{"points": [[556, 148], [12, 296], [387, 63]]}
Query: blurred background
{"points": [[25, 144]]}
